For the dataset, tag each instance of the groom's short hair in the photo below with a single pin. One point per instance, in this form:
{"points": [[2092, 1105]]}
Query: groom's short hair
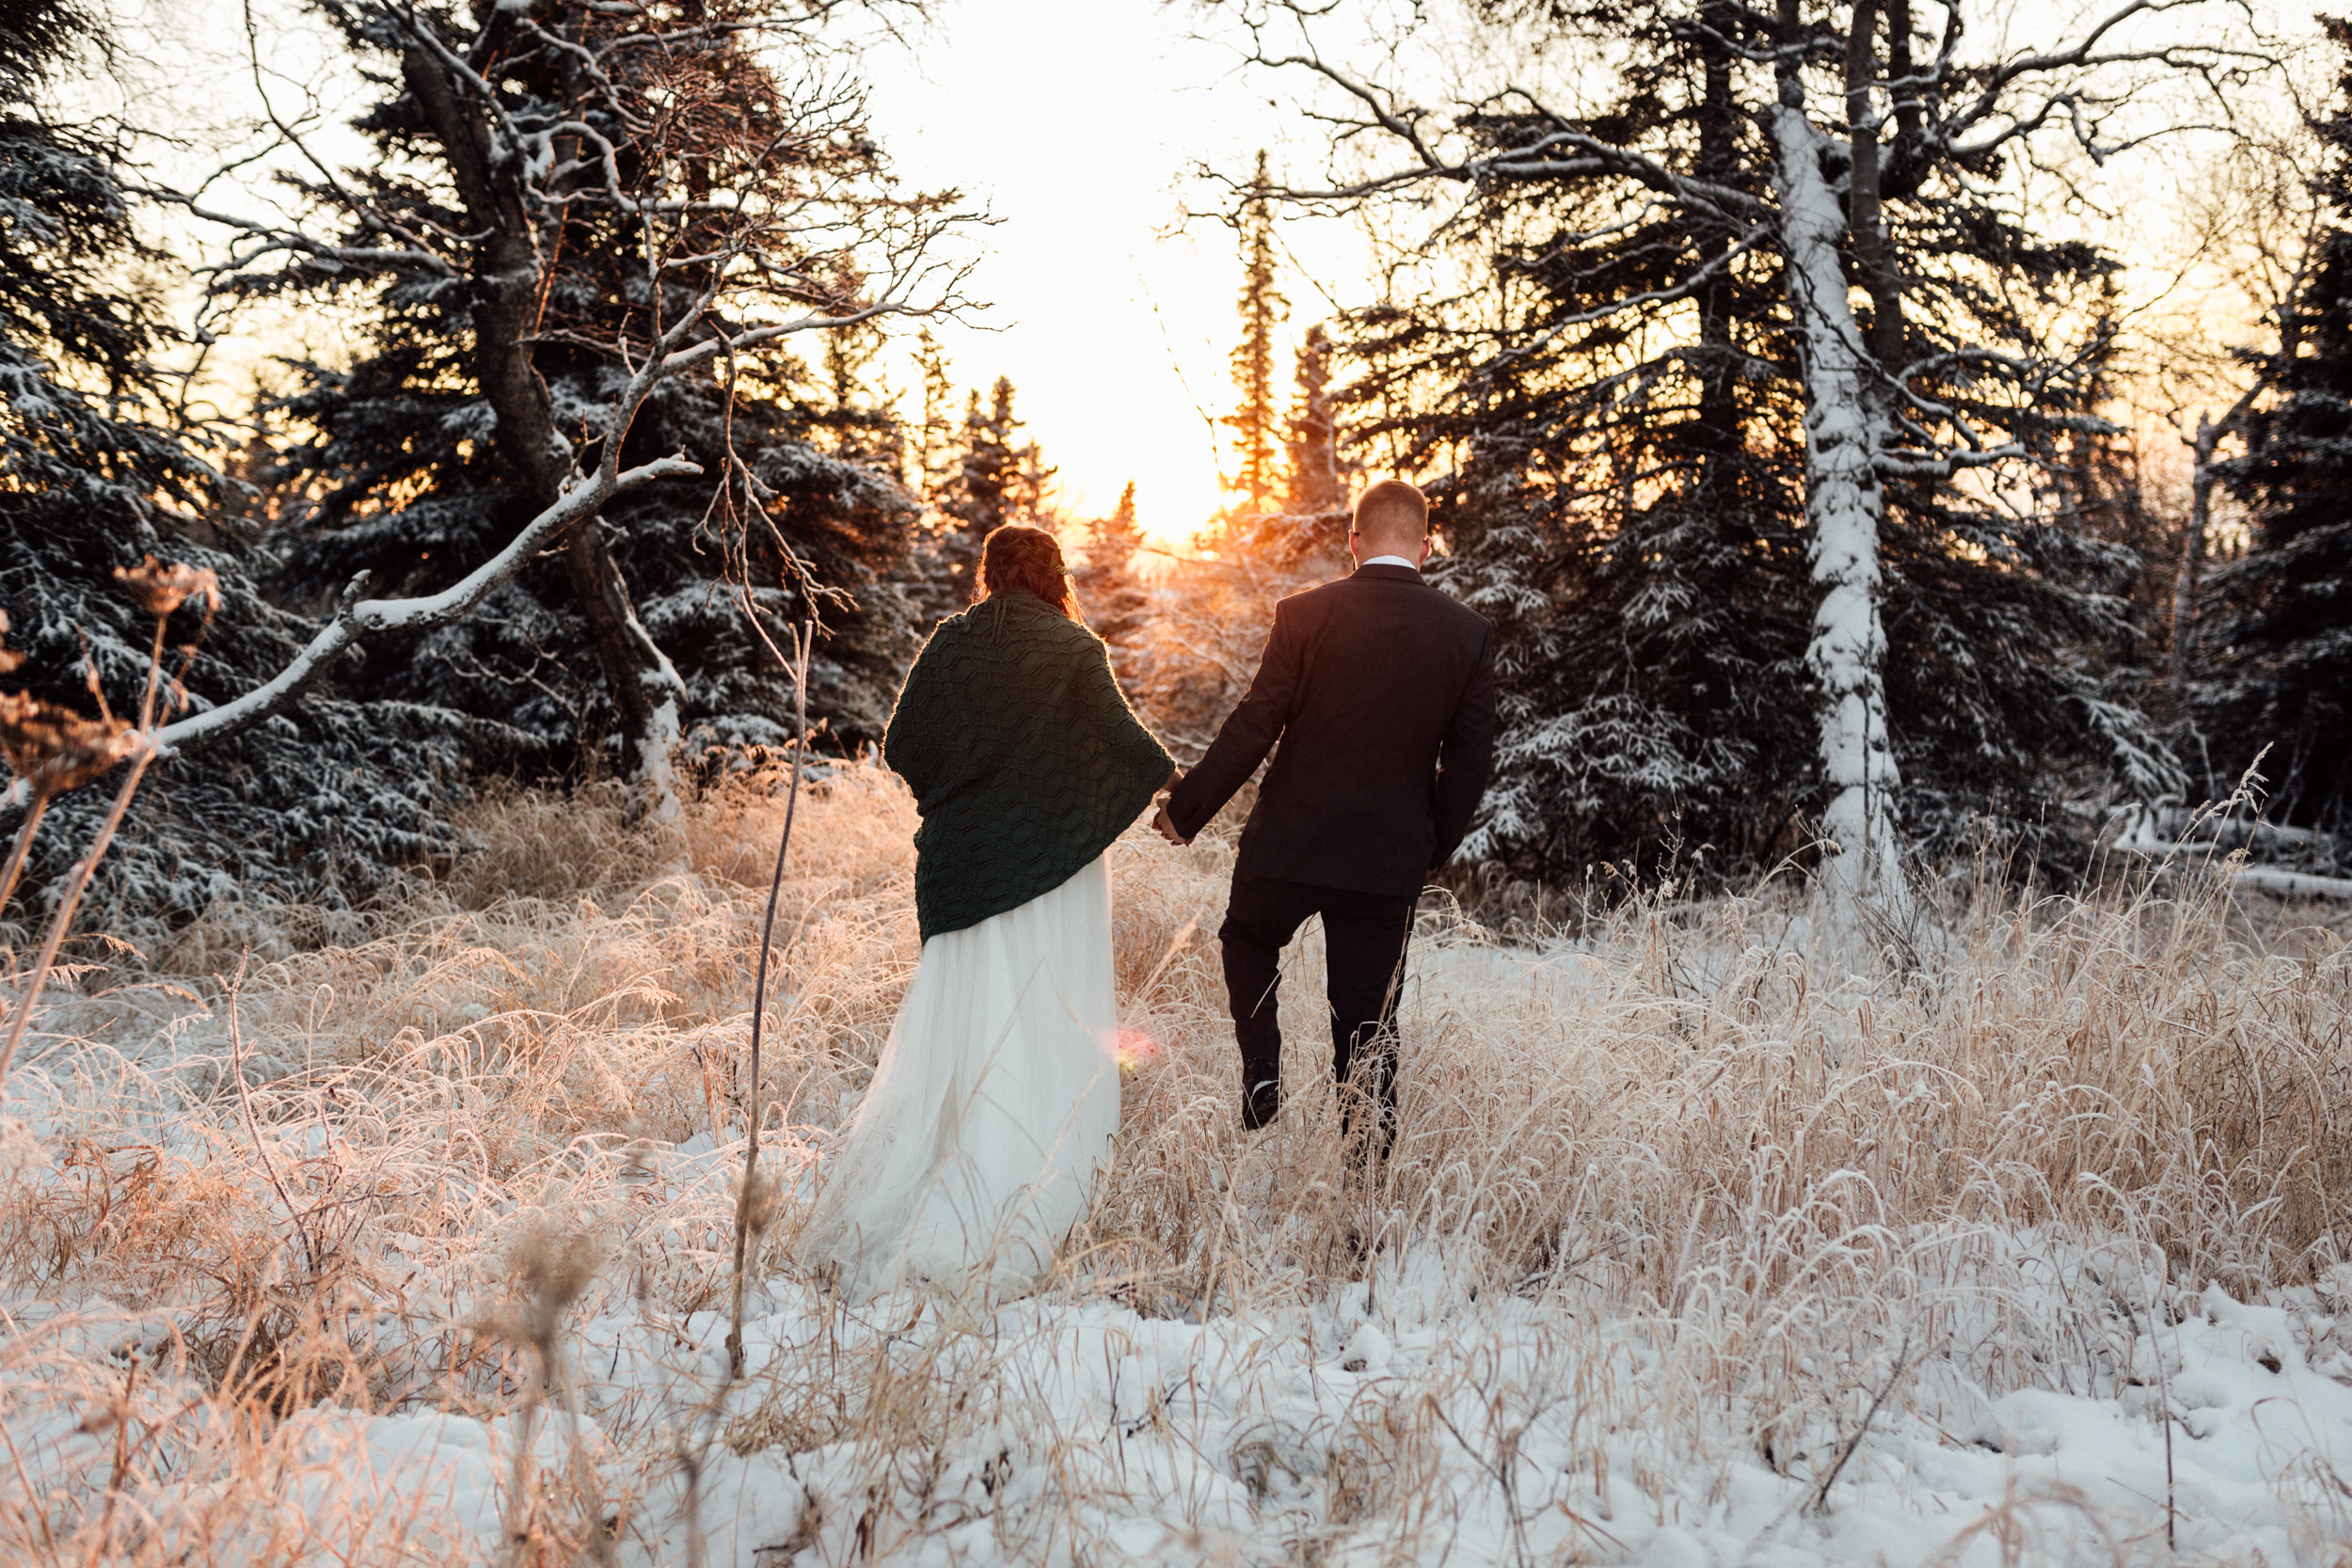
{"points": [[1391, 509]]}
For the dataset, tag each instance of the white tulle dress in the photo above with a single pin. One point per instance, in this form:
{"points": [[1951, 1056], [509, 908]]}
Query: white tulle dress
{"points": [[992, 1109]]}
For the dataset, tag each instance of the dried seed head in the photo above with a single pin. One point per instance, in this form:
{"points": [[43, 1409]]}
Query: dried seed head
{"points": [[761, 1203], [20, 1151], [54, 748], [159, 589], [553, 1263]]}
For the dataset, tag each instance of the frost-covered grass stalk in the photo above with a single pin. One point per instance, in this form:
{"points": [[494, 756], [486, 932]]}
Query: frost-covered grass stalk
{"points": [[1688, 1226], [54, 751], [749, 1206]]}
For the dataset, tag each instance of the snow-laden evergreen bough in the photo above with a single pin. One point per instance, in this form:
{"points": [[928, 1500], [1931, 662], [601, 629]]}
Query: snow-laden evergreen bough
{"points": [[592, 235], [1730, 361], [101, 469]]}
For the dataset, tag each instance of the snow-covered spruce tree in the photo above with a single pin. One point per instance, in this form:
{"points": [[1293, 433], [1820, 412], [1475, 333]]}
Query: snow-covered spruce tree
{"points": [[1297, 534], [585, 234], [1255, 422], [931, 444], [95, 474], [1109, 589], [1318, 471], [2274, 633], [834, 520], [1625, 505], [1709, 497], [1286, 523], [997, 478]]}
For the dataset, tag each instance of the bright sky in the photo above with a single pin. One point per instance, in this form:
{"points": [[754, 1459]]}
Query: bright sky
{"points": [[1081, 126]]}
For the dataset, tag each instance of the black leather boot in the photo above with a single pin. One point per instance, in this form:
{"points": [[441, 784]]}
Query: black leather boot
{"points": [[1261, 1094]]}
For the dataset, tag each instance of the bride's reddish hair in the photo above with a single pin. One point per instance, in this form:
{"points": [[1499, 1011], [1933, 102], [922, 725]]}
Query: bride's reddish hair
{"points": [[1019, 557]]}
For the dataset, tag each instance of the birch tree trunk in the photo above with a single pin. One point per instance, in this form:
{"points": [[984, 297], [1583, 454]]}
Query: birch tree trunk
{"points": [[1844, 507]]}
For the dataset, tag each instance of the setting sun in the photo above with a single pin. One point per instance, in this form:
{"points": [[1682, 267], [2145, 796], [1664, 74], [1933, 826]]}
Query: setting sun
{"points": [[1112, 312]]}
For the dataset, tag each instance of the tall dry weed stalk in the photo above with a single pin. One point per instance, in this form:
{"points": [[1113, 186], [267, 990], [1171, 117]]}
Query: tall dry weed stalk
{"points": [[53, 749], [751, 1207], [554, 1263]]}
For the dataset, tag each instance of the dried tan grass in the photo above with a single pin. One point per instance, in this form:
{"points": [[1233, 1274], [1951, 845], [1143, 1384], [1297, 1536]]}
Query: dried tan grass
{"points": [[1777, 1170]]}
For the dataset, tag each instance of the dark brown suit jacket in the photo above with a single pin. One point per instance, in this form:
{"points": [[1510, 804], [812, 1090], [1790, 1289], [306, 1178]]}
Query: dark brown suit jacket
{"points": [[1382, 692]]}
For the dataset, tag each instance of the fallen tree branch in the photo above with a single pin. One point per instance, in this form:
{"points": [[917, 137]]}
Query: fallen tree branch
{"points": [[355, 617], [2263, 879], [2294, 885]]}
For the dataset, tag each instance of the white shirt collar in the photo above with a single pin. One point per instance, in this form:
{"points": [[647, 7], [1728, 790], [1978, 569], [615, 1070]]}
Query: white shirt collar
{"points": [[1390, 561]]}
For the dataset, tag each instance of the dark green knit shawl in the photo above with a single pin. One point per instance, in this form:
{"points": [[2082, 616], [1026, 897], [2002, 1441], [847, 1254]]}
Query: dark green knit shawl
{"points": [[1024, 759]]}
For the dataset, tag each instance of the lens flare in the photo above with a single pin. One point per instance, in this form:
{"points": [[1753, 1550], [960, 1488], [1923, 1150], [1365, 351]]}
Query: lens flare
{"points": [[1133, 1047]]}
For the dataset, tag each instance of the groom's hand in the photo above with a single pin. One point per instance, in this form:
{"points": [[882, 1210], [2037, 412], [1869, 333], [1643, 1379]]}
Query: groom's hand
{"points": [[1167, 828]]}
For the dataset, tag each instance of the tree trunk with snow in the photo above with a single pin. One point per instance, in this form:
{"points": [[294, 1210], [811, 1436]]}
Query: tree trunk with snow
{"points": [[645, 687], [1845, 504]]}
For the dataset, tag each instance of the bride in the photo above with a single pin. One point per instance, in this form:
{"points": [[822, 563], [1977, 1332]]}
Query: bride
{"points": [[996, 1099]]}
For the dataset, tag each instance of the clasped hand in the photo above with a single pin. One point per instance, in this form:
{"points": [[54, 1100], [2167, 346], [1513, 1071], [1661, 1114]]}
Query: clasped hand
{"points": [[1161, 823]]}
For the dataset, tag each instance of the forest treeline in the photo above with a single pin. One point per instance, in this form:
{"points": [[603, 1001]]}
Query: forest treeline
{"points": [[1761, 409]]}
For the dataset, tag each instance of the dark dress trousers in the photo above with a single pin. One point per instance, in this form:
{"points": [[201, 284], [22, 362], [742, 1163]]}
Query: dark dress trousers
{"points": [[1381, 692]]}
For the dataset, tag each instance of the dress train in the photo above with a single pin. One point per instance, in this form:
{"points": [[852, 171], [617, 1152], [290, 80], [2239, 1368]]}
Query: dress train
{"points": [[991, 1111]]}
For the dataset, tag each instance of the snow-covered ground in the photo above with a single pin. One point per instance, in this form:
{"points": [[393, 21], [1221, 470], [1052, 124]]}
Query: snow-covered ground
{"points": [[1256, 1439], [1399, 1419]]}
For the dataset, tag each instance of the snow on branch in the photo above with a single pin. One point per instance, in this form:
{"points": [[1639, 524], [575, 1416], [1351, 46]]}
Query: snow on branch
{"points": [[732, 233], [355, 618]]}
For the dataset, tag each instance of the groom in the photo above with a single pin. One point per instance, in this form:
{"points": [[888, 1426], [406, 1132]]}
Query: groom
{"points": [[1382, 692]]}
